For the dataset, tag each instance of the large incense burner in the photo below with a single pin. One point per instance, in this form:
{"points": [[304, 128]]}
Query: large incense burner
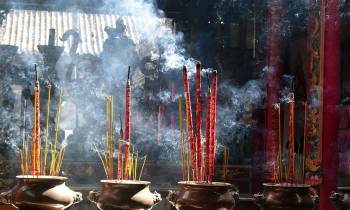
{"points": [[341, 198], [41, 193], [286, 197], [126, 194], [205, 196]]}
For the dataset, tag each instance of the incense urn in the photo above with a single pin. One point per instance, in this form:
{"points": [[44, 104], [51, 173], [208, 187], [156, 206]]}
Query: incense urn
{"points": [[124, 195], [41, 193], [204, 196], [286, 197], [341, 198]]}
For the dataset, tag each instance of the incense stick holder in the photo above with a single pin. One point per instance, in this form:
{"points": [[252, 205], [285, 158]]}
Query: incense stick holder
{"points": [[41, 192], [341, 198], [286, 197], [124, 195], [204, 196]]}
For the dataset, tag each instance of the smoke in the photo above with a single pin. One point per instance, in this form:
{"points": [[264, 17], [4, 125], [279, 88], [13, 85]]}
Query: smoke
{"points": [[161, 51]]}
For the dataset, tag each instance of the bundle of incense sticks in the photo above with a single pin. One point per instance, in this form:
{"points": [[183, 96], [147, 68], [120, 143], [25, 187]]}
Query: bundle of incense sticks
{"points": [[196, 152], [294, 169], [127, 168], [127, 125], [56, 158], [109, 151], [133, 166]]}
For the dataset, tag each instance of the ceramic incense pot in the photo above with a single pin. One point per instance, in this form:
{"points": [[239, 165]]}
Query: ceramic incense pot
{"points": [[286, 197], [41, 193], [204, 196], [341, 198], [124, 195]]}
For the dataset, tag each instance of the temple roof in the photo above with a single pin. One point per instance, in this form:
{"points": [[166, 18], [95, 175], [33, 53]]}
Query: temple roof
{"points": [[29, 28]]}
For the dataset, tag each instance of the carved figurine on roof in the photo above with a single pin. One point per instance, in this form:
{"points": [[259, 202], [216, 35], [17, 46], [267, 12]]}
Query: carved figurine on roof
{"points": [[71, 60], [119, 51]]}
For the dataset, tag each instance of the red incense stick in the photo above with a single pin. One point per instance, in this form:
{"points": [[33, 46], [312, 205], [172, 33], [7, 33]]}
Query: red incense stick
{"points": [[199, 120], [120, 151], [191, 137], [36, 128], [291, 137], [127, 125], [213, 126], [207, 132]]}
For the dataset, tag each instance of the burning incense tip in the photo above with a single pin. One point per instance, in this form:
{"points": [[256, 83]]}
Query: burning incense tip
{"points": [[129, 69], [36, 73], [208, 79]]}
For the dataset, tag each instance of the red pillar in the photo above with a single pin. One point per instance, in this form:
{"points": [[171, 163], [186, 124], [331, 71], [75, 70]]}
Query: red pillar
{"points": [[274, 68], [331, 97]]}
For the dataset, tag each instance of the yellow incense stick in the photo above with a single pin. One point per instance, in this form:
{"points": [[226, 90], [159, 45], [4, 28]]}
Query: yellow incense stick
{"points": [[99, 155], [143, 165], [59, 168], [132, 162], [60, 159], [21, 161], [111, 143], [52, 161], [47, 128], [135, 168], [107, 135]]}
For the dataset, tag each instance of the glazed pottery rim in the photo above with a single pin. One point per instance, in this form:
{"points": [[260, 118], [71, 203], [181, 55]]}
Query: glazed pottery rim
{"points": [[41, 177], [125, 182], [286, 185], [212, 184]]}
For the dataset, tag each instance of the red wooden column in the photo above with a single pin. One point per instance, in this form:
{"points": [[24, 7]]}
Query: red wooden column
{"points": [[274, 43], [331, 98]]}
